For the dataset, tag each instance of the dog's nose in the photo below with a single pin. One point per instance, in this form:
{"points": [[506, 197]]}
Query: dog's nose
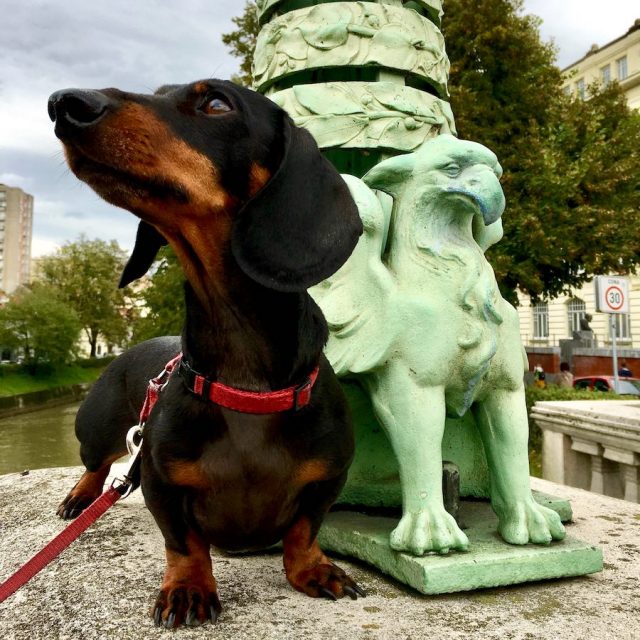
{"points": [[76, 107]]}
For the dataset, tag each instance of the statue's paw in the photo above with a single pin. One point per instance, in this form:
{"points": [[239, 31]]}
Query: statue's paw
{"points": [[431, 529], [530, 522]]}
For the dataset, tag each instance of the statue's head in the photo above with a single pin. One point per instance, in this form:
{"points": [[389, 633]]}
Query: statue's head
{"points": [[448, 175]]}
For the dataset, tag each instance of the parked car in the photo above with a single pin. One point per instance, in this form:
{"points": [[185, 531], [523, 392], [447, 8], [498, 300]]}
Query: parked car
{"points": [[626, 386]]}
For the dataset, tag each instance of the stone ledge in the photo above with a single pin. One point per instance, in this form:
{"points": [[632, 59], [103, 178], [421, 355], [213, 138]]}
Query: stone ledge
{"points": [[104, 585]]}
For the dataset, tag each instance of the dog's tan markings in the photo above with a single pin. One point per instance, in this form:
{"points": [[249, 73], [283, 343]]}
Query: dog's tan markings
{"points": [[188, 584], [188, 474], [137, 142], [258, 177], [88, 488], [309, 570], [201, 87], [310, 471]]}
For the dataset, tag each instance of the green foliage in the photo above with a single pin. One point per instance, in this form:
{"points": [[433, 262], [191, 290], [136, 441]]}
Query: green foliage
{"points": [[38, 324], [163, 299], [242, 41], [85, 275], [24, 379], [572, 168]]}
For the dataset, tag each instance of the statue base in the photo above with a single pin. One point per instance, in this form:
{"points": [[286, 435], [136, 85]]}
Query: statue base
{"points": [[490, 562]]}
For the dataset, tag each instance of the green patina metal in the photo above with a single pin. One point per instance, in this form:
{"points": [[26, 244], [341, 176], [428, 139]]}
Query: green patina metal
{"points": [[429, 352]]}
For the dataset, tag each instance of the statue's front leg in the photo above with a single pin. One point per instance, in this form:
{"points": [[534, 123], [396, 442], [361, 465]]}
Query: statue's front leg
{"points": [[414, 419], [502, 421]]}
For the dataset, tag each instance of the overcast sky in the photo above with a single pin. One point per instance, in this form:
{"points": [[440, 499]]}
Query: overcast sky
{"points": [[138, 46]]}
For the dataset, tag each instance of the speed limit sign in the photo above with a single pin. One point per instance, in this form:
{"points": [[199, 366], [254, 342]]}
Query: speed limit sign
{"points": [[612, 294]]}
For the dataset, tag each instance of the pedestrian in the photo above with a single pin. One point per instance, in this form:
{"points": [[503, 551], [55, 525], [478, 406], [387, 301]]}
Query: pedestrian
{"points": [[624, 371], [539, 376], [565, 377]]}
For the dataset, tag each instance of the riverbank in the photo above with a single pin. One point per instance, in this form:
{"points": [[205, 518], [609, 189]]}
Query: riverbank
{"points": [[16, 380]]}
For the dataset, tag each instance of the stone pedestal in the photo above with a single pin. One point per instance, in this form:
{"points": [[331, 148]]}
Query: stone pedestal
{"points": [[490, 562]]}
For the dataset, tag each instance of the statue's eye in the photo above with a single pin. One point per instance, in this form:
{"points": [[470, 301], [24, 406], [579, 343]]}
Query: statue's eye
{"points": [[215, 106], [452, 169]]}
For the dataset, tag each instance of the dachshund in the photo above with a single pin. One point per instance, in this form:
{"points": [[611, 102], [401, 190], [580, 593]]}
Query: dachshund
{"points": [[255, 215]]}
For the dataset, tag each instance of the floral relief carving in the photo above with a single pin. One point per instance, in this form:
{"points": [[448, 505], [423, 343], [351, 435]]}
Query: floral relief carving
{"points": [[433, 8], [351, 34], [367, 115]]}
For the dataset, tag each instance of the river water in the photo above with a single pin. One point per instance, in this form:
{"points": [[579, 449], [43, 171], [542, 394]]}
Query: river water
{"points": [[39, 439]]}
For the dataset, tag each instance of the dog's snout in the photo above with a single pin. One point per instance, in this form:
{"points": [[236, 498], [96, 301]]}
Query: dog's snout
{"points": [[77, 108]]}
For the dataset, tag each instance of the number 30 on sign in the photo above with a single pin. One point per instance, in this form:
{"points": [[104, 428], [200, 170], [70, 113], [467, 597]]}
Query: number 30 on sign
{"points": [[612, 294]]}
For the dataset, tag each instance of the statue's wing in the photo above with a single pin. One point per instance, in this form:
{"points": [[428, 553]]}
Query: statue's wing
{"points": [[357, 299]]}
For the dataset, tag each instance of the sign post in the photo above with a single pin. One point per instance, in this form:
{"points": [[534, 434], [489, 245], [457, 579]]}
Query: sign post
{"points": [[612, 297]]}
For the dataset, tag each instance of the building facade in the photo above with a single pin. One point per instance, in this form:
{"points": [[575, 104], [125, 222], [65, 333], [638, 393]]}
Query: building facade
{"points": [[618, 60], [16, 222]]}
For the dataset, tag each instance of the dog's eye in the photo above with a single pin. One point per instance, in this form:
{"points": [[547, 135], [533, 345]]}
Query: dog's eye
{"points": [[215, 106]]}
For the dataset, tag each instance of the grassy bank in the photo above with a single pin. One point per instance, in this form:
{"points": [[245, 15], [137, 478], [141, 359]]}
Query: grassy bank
{"points": [[15, 379]]}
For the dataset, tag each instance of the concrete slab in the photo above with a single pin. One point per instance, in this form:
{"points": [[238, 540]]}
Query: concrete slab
{"points": [[104, 585]]}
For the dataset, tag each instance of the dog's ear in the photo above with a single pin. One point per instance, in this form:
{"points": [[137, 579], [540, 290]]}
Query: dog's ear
{"points": [[302, 225], [148, 243]]}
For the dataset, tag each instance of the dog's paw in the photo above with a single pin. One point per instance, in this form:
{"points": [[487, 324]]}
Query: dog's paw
{"points": [[191, 605], [428, 530], [528, 521], [326, 580], [74, 504]]}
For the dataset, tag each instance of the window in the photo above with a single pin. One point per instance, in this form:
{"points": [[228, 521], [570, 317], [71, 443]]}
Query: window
{"points": [[622, 68], [605, 75], [577, 310], [623, 326], [580, 88], [540, 321]]}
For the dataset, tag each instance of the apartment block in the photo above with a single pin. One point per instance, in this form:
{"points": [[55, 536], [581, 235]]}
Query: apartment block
{"points": [[617, 60], [16, 222]]}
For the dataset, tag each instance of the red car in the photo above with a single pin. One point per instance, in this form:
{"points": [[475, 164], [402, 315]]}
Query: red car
{"points": [[626, 386]]}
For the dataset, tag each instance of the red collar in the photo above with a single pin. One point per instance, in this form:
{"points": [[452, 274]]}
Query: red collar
{"points": [[248, 401]]}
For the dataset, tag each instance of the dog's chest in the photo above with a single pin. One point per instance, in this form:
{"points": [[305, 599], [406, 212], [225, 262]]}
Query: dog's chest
{"points": [[242, 489]]}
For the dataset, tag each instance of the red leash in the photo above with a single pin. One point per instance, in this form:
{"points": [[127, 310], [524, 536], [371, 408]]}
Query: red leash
{"points": [[100, 505], [238, 400], [59, 543]]}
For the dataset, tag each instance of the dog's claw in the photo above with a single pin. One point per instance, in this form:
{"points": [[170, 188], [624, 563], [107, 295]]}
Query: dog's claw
{"points": [[329, 595], [351, 592], [359, 590], [170, 621], [157, 616], [192, 620], [214, 609]]}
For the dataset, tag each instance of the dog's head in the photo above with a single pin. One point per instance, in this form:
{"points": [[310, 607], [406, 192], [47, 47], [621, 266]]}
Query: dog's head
{"points": [[211, 167]]}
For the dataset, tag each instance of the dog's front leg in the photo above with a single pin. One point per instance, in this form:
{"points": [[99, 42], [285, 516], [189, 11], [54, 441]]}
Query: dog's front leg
{"points": [[189, 593], [502, 421], [414, 421], [308, 569]]}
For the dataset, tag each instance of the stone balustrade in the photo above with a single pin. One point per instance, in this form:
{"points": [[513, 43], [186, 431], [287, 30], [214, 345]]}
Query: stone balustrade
{"points": [[593, 445]]}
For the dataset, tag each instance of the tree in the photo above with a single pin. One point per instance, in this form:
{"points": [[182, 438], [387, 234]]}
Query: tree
{"points": [[35, 322], [163, 299], [571, 167], [242, 41], [85, 275]]}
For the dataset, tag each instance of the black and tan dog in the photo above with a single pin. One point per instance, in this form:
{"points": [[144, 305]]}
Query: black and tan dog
{"points": [[255, 215]]}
